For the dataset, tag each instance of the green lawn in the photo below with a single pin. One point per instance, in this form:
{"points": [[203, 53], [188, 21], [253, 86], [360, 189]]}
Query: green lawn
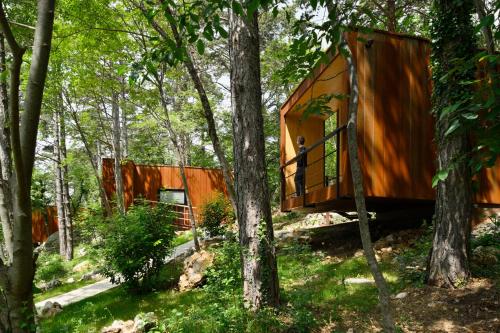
{"points": [[311, 285]]}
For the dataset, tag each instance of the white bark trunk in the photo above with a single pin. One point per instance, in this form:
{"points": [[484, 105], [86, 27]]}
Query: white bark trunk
{"points": [[117, 154]]}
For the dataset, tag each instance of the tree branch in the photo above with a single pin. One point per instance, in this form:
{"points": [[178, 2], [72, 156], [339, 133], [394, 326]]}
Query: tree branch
{"points": [[9, 36]]}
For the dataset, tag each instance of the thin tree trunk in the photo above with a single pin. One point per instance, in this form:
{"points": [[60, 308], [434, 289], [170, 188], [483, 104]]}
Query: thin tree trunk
{"points": [[391, 15], [207, 109], [192, 218], [180, 155], [123, 122], [16, 278], [61, 213], [486, 30], [359, 196], [259, 269], [96, 165], [6, 207], [117, 155], [68, 223]]}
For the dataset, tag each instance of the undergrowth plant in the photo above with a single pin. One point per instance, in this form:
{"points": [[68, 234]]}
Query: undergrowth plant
{"points": [[136, 244], [216, 215]]}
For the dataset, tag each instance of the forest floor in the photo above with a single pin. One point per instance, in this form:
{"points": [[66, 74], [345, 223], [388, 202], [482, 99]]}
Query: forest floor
{"points": [[317, 296]]}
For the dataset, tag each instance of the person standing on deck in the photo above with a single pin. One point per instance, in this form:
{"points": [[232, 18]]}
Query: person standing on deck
{"points": [[300, 174]]}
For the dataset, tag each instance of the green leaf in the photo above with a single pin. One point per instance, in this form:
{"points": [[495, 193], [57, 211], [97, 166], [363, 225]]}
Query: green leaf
{"points": [[200, 46], [454, 125], [237, 8], [470, 116], [441, 175]]}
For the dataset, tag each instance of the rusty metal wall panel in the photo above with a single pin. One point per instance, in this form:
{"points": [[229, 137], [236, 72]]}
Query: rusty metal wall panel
{"points": [[43, 226]]}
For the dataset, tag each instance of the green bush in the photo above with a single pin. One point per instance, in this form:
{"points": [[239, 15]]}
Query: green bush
{"points": [[136, 245], [49, 267], [224, 276], [216, 215]]}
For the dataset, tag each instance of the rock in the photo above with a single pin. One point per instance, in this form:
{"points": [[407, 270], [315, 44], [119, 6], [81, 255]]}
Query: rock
{"points": [[95, 275], [194, 270], [50, 309], [359, 253], [386, 249], [144, 322], [401, 295], [82, 251], [82, 267], [381, 243], [359, 281], [389, 239], [120, 326], [70, 280], [51, 244], [485, 255], [350, 330], [50, 285]]}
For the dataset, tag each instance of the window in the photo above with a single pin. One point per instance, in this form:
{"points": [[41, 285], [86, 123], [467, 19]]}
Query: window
{"points": [[172, 196]]}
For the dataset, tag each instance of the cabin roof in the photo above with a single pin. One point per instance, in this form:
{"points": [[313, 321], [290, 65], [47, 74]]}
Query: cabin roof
{"points": [[316, 72]]}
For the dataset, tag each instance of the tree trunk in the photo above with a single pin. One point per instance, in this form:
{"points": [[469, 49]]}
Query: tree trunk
{"points": [[359, 196], [453, 38], [174, 138], [96, 165], [16, 276], [391, 16], [6, 207], [61, 212], [486, 30], [192, 218], [123, 122], [117, 155], [68, 223], [260, 277], [207, 109]]}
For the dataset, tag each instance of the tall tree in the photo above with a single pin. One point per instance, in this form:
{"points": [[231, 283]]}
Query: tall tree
{"points": [[117, 152], [260, 276], [453, 38], [63, 200], [17, 270]]}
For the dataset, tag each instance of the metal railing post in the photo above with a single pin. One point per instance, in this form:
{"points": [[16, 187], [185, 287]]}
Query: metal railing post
{"points": [[337, 160]]}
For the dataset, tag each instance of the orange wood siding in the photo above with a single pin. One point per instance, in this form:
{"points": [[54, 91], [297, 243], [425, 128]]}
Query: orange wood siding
{"points": [[395, 126], [43, 224], [144, 181]]}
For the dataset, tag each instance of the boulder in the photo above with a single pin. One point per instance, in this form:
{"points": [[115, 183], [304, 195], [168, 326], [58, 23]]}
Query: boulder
{"points": [[195, 267], [144, 322], [50, 285], [120, 326], [485, 255], [70, 280], [401, 295], [50, 309], [52, 243], [82, 267]]}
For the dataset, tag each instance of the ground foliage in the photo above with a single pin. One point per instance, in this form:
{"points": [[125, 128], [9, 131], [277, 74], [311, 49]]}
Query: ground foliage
{"points": [[136, 245]]}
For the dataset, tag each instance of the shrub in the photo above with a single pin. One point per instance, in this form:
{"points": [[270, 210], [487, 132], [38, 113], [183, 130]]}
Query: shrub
{"points": [[136, 245], [49, 267], [216, 215]]}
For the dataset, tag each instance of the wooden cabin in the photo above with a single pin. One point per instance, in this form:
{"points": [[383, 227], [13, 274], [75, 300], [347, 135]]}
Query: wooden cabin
{"points": [[395, 131], [43, 224], [163, 183]]}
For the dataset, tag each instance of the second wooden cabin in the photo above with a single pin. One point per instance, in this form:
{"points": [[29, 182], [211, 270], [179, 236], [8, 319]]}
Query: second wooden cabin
{"points": [[163, 183], [395, 130]]}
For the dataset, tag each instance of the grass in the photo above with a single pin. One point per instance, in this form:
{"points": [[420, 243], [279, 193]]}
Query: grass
{"points": [[67, 287], [63, 270], [182, 238], [311, 286]]}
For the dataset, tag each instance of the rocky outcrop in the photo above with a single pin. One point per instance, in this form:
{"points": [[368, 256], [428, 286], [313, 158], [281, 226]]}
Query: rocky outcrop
{"points": [[142, 323], [50, 309], [485, 255], [195, 268]]}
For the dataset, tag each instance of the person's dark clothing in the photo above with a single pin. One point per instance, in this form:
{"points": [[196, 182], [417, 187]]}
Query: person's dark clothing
{"points": [[301, 172]]}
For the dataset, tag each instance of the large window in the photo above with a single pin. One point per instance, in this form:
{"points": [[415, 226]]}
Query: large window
{"points": [[172, 196]]}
